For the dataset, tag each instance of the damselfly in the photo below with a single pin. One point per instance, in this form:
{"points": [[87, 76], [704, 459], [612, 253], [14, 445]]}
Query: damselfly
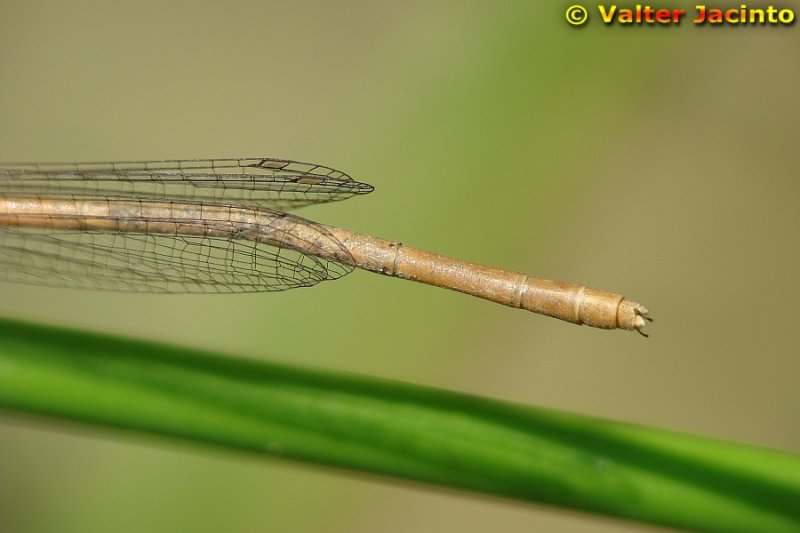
{"points": [[220, 225]]}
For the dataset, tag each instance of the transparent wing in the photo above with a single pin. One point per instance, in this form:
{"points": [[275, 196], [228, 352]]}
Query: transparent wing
{"points": [[273, 183], [156, 263]]}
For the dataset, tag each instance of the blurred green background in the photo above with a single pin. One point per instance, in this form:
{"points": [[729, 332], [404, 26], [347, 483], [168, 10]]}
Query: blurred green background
{"points": [[655, 162]]}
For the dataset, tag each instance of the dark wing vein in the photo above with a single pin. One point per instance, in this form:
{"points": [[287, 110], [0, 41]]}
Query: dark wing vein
{"points": [[170, 263], [264, 182], [156, 263]]}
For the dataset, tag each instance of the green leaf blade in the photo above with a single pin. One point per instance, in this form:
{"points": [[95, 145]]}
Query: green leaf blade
{"points": [[398, 430]]}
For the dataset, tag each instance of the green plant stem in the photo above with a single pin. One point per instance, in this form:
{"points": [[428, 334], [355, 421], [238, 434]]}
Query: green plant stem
{"points": [[399, 430]]}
